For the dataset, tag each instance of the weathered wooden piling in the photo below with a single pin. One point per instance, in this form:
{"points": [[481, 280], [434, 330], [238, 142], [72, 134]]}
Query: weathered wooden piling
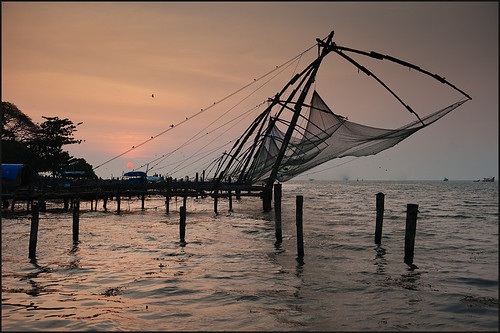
{"points": [[300, 237], [230, 197], [267, 196], [143, 197], [215, 203], [277, 212], [411, 227], [76, 220], [380, 218], [167, 204], [42, 204], [104, 203], [34, 230], [118, 203], [182, 224]]}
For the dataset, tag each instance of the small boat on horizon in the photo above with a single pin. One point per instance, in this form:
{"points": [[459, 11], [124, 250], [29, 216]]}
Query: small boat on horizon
{"points": [[489, 180], [445, 179]]}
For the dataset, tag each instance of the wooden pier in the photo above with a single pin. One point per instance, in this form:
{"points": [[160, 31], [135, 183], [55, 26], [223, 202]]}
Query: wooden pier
{"points": [[105, 190]]}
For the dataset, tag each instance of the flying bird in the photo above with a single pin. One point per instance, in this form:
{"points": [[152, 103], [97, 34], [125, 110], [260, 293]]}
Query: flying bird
{"points": [[152, 95]]}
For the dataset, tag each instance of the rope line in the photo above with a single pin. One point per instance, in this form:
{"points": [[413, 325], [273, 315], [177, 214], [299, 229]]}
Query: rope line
{"points": [[204, 109]]}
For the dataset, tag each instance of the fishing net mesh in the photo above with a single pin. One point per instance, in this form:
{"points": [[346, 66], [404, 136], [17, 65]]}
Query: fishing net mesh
{"points": [[327, 136]]}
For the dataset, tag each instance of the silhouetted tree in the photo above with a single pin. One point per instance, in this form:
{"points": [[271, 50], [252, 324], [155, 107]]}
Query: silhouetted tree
{"points": [[16, 126], [53, 135], [17, 131], [39, 145], [79, 164]]}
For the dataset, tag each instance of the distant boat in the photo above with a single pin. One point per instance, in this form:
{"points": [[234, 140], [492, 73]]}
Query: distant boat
{"points": [[445, 179], [477, 181], [489, 180]]}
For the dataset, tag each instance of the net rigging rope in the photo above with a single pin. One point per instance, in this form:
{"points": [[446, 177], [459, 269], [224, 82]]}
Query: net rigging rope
{"points": [[192, 139], [287, 63]]}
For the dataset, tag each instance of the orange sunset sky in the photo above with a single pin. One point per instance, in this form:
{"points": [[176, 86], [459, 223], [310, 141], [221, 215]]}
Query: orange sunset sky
{"points": [[100, 63]]}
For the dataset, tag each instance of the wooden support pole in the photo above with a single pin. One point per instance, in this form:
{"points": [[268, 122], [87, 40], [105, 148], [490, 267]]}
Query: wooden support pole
{"points": [[143, 197], [215, 203], [411, 228], [300, 236], [104, 203], [182, 225], [267, 196], [34, 230], [230, 197], [42, 204], [184, 200], [118, 203], [167, 197], [92, 205], [277, 212], [380, 218], [66, 203], [76, 220]]}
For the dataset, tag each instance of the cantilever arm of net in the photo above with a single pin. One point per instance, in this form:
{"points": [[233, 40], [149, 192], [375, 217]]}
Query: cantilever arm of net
{"points": [[379, 56], [369, 73]]}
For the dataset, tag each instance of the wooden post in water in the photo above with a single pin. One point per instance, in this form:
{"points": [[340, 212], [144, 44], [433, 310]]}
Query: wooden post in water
{"points": [[411, 228], [42, 204], [104, 203], [182, 225], [34, 230], [167, 197], [380, 218], [143, 197], [230, 197], [300, 236], [267, 196], [277, 212], [118, 203], [66, 203], [76, 220], [215, 203]]}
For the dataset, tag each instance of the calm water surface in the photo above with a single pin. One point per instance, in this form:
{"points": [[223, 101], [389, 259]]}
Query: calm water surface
{"points": [[129, 271]]}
